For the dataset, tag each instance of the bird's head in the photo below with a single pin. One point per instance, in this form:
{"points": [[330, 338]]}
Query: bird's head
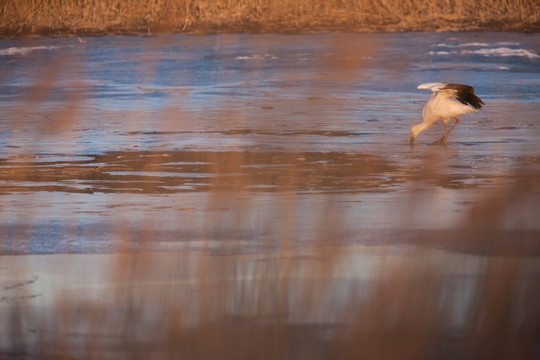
{"points": [[415, 130]]}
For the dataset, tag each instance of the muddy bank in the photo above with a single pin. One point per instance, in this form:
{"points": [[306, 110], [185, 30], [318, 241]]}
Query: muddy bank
{"points": [[383, 26], [272, 28]]}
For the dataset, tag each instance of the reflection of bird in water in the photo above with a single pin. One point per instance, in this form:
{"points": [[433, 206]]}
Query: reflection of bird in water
{"points": [[442, 105]]}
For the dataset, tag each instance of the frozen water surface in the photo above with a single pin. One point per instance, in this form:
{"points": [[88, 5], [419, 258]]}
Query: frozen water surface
{"points": [[271, 178], [115, 131]]}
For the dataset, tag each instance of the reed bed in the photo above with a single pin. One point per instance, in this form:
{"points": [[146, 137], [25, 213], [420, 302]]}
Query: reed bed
{"points": [[51, 17]]}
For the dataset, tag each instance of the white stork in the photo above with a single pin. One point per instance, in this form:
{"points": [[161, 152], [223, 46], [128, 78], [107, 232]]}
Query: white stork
{"points": [[442, 105]]}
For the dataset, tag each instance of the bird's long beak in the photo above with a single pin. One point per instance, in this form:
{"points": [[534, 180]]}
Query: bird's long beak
{"points": [[411, 142]]}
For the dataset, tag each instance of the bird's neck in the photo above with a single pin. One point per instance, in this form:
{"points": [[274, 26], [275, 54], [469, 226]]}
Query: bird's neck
{"points": [[418, 128]]}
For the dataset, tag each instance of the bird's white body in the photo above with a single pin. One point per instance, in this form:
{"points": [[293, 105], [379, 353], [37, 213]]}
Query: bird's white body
{"points": [[441, 106], [448, 101]]}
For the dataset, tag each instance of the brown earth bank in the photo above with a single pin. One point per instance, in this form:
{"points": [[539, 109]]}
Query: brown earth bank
{"points": [[76, 18]]}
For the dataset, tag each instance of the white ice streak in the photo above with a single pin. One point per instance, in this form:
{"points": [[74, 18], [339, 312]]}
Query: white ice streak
{"points": [[503, 51], [477, 44], [469, 44], [257, 57], [24, 50]]}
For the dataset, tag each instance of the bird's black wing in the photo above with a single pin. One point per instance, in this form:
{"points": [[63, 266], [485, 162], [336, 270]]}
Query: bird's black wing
{"points": [[465, 95]]}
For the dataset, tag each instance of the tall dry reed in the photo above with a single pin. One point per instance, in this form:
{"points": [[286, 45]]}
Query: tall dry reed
{"points": [[100, 17]]}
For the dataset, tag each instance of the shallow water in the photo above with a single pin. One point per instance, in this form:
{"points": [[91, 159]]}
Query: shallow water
{"points": [[273, 174], [143, 132]]}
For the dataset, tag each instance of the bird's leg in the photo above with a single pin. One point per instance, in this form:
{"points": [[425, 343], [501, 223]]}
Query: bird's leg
{"points": [[442, 141], [445, 137], [453, 126]]}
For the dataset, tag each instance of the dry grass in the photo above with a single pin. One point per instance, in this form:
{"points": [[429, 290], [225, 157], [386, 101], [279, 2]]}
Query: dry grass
{"points": [[135, 16]]}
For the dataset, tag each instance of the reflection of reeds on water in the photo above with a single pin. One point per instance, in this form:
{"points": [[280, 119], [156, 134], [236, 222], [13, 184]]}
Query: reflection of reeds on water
{"points": [[318, 298], [290, 302]]}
